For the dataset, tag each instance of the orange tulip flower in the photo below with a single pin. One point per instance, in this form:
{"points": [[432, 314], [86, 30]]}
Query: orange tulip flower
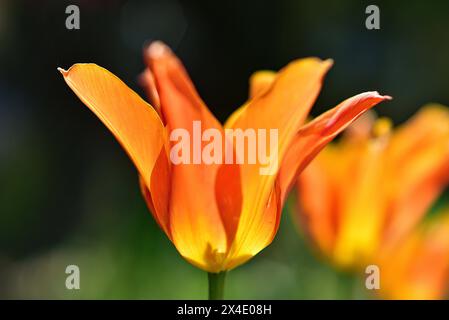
{"points": [[218, 216], [361, 199]]}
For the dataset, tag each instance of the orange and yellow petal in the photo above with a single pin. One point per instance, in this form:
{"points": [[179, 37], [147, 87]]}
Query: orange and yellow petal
{"points": [[134, 123], [316, 134], [322, 187], [418, 168], [283, 105], [362, 208], [317, 200], [201, 226], [418, 267]]}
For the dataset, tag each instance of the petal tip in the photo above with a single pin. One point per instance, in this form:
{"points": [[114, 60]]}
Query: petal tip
{"points": [[63, 71], [388, 97], [376, 94], [329, 62], [157, 49]]}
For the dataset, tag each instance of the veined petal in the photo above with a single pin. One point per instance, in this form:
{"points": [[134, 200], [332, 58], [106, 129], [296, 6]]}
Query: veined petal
{"points": [[201, 225], [418, 164], [134, 123], [418, 267], [282, 106]]}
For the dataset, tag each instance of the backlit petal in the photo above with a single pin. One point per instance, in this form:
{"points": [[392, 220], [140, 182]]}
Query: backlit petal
{"points": [[314, 136], [418, 268], [317, 197], [418, 164], [134, 123], [334, 218], [283, 107], [201, 225]]}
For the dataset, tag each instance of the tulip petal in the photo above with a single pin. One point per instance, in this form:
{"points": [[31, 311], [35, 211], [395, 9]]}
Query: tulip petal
{"points": [[271, 215], [134, 123], [314, 136], [317, 195], [260, 82], [319, 186], [418, 268], [228, 194], [158, 198], [418, 166], [201, 225], [361, 216], [282, 105], [149, 84]]}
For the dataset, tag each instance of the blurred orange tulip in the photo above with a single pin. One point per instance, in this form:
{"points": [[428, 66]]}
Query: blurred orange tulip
{"points": [[361, 200], [217, 216], [418, 267]]}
